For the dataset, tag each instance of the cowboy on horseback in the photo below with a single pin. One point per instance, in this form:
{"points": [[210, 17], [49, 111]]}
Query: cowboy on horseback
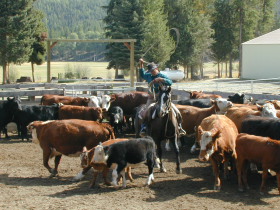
{"points": [[155, 78]]}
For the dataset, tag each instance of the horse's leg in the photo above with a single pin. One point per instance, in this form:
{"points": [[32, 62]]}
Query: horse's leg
{"points": [[159, 152], [176, 149]]}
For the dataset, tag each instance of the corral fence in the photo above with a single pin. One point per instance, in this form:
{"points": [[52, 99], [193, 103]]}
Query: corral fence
{"points": [[259, 89]]}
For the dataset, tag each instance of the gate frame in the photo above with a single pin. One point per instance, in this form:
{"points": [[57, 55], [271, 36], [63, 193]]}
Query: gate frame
{"points": [[52, 42]]}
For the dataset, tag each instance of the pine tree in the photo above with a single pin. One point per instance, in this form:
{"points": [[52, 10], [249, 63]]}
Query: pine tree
{"points": [[39, 46], [123, 20], [16, 33]]}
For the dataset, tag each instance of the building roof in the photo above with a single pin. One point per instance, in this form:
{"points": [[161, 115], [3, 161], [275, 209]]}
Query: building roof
{"points": [[272, 37]]}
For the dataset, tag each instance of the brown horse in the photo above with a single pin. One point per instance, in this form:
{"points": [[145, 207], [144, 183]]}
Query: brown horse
{"points": [[163, 125]]}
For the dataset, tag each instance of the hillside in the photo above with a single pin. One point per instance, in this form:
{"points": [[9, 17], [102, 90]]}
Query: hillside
{"points": [[64, 17]]}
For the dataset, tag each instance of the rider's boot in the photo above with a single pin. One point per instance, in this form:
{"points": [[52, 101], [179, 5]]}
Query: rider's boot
{"points": [[143, 131]]}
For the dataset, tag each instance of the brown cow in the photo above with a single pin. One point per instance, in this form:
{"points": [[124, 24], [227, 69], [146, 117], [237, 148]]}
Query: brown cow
{"points": [[238, 114], [68, 137], [129, 101], [200, 94], [80, 112], [257, 149], [66, 100], [217, 135], [87, 160], [192, 116]]}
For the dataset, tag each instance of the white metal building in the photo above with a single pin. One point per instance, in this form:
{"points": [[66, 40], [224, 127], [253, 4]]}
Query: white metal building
{"points": [[261, 57]]}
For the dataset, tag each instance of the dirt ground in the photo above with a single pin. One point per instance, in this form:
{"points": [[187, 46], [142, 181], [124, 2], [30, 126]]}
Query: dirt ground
{"points": [[25, 184]]}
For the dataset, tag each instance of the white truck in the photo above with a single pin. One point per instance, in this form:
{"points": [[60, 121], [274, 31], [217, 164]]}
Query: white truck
{"points": [[174, 75]]}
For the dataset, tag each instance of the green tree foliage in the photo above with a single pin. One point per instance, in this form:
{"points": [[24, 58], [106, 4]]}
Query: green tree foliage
{"points": [[156, 32], [223, 36], [16, 33], [195, 33], [39, 46]]}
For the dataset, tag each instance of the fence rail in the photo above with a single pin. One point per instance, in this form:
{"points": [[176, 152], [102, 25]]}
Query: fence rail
{"points": [[252, 87]]}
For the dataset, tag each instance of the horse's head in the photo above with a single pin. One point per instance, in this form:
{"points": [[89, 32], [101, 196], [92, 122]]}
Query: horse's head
{"points": [[164, 100]]}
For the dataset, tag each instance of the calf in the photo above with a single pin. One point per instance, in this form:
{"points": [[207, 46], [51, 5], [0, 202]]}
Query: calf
{"points": [[117, 119], [257, 149], [48, 99], [239, 98], [123, 154], [30, 113], [80, 112], [68, 137], [217, 135], [87, 160], [7, 110]]}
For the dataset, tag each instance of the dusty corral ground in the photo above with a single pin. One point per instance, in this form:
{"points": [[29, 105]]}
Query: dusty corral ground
{"points": [[24, 184]]}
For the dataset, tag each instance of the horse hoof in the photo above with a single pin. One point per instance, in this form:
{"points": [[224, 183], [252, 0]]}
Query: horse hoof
{"points": [[178, 171], [163, 170]]}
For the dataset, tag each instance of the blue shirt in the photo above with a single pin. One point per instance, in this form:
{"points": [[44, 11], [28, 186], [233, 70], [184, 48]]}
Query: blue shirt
{"points": [[149, 78]]}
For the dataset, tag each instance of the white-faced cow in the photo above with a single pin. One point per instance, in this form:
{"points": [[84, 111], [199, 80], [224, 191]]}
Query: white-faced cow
{"points": [[217, 135], [120, 155], [68, 137]]}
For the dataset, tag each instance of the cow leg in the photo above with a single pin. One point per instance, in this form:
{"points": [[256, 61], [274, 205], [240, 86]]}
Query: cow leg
{"points": [[122, 173], [264, 177], [217, 185], [240, 171], [105, 175], [128, 170], [244, 174], [278, 181], [95, 174], [46, 157], [115, 175], [167, 145], [81, 175], [56, 162], [151, 164], [176, 149]]}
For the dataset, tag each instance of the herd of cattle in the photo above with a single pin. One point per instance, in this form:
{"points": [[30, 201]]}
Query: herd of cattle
{"points": [[230, 132]]}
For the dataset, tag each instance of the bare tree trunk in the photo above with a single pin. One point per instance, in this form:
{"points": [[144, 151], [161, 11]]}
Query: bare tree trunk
{"points": [[5, 76], [116, 72], [219, 73], [32, 67], [226, 69], [230, 65], [185, 71]]}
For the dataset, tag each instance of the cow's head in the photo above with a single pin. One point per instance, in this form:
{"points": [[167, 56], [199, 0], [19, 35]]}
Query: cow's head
{"points": [[207, 143], [267, 110], [222, 105], [13, 104], [105, 102], [99, 154], [93, 101], [32, 129]]}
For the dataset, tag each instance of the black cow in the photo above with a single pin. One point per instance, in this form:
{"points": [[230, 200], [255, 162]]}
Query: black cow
{"points": [[117, 119], [201, 103], [239, 98], [7, 108], [262, 126], [30, 113], [122, 154]]}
